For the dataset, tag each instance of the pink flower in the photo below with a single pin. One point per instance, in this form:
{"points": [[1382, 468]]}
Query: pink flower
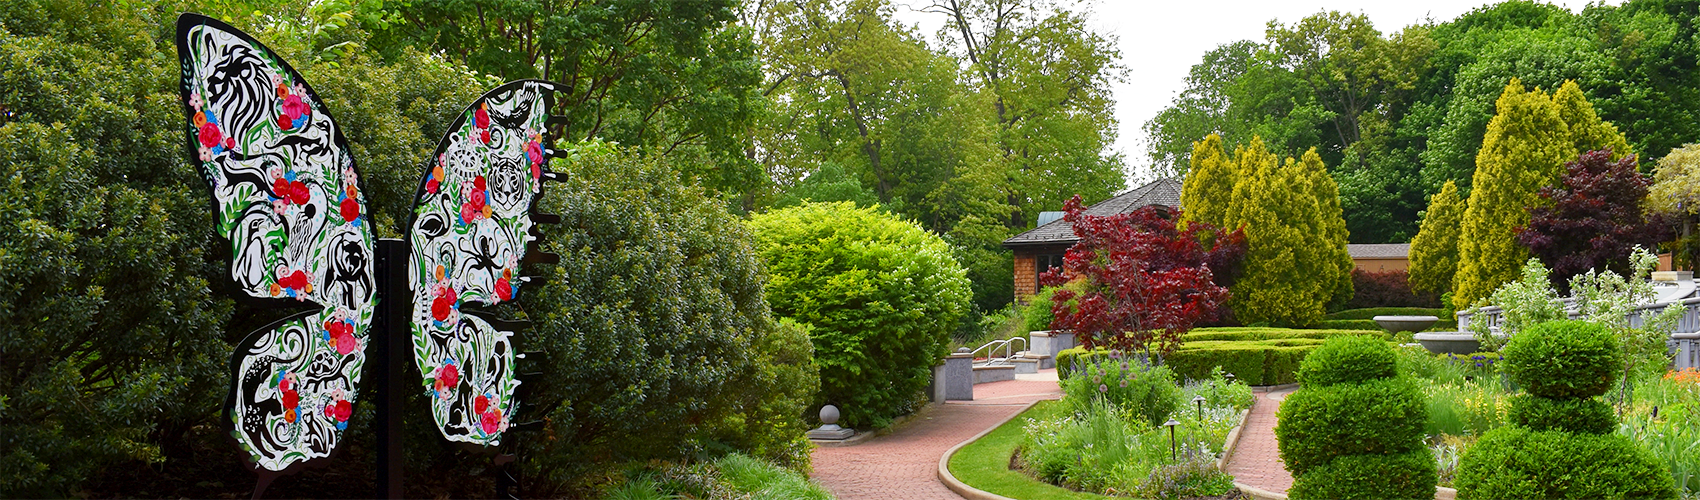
{"points": [[294, 107], [491, 422]]}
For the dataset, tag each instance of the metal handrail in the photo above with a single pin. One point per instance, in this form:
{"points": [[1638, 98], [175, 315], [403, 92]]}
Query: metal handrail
{"points": [[992, 347]]}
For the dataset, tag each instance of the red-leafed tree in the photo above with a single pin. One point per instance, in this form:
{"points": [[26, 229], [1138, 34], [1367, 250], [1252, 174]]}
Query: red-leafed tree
{"points": [[1594, 218], [1139, 281]]}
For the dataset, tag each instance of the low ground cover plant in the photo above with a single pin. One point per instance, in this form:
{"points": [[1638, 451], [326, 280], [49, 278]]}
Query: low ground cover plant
{"points": [[732, 477]]}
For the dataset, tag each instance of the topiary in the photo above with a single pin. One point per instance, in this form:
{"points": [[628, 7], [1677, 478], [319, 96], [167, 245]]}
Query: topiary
{"points": [[1407, 475], [1564, 359], [1516, 463], [1317, 424], [1581, 415], [1348, 359]]}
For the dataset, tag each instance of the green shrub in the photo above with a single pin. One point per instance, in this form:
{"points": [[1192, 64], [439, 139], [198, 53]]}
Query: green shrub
{"points": [[1317, 424], [1069, 360], [1283, 364], [1246, 361], [1564, 359], [654, 326], [1581, 415], [1144, 393], [743, 474], [1517, 463], [881, 293], [1268, 333], [1409, 475], [1036, 315], [1348, 360]]}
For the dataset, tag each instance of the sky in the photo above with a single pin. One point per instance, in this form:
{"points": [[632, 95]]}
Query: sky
{"points": [[1161, 40]]}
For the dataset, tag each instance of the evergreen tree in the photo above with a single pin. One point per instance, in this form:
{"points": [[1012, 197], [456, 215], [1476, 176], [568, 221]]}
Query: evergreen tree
{"points": [[1434, 252], [1209, 184], [1526, 145], [1285, 281], [1329, 223]]}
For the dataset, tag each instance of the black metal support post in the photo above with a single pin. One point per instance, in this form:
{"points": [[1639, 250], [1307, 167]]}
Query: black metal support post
{"points": [[389, 354]]}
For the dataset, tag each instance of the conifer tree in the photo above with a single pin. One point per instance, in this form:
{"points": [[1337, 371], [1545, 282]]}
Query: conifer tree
{"points": [[1209, 184], [1434, 252], [1282, 283], [1525, 148], [1329, 223]]}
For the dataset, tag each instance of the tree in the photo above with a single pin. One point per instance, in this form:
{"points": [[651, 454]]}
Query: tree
{"points": [[1209, 186], [1592, 218], [1526, 145], [1292, 265], [1142, 283], [1434, 252], [1676, 192], [1326, 220], [880, 294]]}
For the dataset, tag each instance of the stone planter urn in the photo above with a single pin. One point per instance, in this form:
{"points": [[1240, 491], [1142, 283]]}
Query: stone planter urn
{"points": [[1398, 324], [1449, 342]]}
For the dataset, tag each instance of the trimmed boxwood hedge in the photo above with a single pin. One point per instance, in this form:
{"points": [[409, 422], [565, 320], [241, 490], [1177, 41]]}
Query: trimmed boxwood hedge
{"points": [[1584, 415], [1318, 424], [1370, 313], [1348, 360], [1564, 359], [1374, 477], [1512, 462], [1255, 355]]}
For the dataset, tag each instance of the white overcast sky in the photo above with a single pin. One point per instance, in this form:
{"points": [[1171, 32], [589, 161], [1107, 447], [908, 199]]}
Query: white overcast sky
{"points": [[1161, 40]]}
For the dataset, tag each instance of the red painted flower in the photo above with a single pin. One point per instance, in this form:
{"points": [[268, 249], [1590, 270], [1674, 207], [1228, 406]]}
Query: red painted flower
{"points": [[350, 209], [504, 289], [481, 118], [448, 376], [296, 280], [280, 188], [291, 399], [491, 422], [210, 135], [298, 193], [480, 404], [345, 341], [479, 185], [431, 186], [484, 135], [283, 122], [443, 305], [342, 410], [229, 143]]}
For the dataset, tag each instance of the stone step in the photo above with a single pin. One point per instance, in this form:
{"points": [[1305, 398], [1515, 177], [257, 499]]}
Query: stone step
{"points": [[1026, 365], [984, 374]]}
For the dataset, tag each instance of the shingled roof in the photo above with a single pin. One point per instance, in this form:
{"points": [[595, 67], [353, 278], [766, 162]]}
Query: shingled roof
{"points": [[1165, 191], [1379, 250]]}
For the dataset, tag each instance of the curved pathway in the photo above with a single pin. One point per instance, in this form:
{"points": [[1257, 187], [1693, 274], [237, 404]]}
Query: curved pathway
{"points": [[904, 464], [1257, 458]]}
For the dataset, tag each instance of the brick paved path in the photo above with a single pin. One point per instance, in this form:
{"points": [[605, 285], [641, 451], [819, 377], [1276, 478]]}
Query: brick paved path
{"points": [[1257, 459], [904, 464]]}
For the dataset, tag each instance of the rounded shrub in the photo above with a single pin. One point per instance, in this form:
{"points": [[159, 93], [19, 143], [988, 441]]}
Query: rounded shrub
{"points": [[880, 293], [1348, 359], [1564, 359], [1584, 415], [1409, 475], [1381, 417], [1516, 463]]}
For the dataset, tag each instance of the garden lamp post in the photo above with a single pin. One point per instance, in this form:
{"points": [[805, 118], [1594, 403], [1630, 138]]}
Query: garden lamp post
{"points": [[1230, 377], [1174, 452], [1199, 400]]}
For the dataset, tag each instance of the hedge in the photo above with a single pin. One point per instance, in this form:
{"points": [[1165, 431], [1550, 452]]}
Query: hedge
{"points": [[1564, 359], [1380, 417], [1370, 313], [1254, 363], [1580, 415], [1348, 360], [1514, 462], [1403, 476], [1266, 333]]}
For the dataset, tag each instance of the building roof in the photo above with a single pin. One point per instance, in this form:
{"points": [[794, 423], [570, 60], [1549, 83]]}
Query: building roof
{"points": [[1379, 250], [1165, 191]]}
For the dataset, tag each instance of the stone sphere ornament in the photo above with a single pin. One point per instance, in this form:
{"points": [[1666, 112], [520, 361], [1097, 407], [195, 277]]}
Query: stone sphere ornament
{"points": [[829, 414]]}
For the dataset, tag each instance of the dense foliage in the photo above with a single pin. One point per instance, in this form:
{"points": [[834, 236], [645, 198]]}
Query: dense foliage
{"points": [[1561, 445], [1139, 391], [1142, 282], [1434, 251], [1398, 113], [1528, 141], [1387, 289], [1676, 193], [1593, 217], [1296, 261], [1354, 415], [880, 295]]}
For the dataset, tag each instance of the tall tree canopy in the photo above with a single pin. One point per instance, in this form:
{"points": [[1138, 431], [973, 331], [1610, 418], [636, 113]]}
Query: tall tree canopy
{"points": [[1434, 252]]}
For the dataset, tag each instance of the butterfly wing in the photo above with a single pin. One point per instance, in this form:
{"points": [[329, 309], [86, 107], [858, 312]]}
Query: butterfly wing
{"points": [[287, 195], [471, 227]]}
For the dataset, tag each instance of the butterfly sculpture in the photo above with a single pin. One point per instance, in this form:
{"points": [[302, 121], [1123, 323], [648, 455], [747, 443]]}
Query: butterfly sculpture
{"points": [[289, 199]]}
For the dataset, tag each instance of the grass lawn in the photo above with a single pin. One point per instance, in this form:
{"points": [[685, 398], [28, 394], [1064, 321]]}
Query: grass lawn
{"points": [[984, 464]]}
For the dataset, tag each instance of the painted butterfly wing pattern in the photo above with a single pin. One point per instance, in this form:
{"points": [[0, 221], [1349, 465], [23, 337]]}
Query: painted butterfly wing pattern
{"points": [[287, 195], [471, 226]]}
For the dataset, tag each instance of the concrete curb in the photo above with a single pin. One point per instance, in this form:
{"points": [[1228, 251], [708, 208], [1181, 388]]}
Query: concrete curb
{"points": [[961, 488], [1232, 442]]}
